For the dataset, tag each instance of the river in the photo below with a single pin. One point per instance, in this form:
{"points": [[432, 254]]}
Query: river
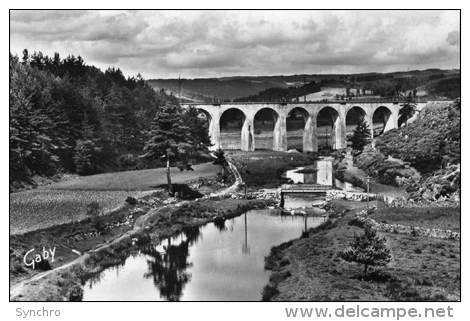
{"points": [[221, 261]]}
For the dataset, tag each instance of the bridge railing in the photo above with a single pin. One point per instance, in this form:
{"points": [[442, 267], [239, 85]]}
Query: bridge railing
{"points": [[423, 99]]}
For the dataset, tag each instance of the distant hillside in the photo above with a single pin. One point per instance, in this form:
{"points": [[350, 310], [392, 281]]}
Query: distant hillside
{"points": [[216, 89], [282, 94], [230, 88]]}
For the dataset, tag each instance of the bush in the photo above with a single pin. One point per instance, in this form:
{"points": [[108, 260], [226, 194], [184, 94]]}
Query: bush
{"points": [[93, 211], [278, 277], [131, 200], [43, 265], [268, 292], [76, 294]]}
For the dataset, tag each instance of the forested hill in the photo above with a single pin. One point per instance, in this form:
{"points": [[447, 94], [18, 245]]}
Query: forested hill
{"points": [[66, 116], [282, 94]]}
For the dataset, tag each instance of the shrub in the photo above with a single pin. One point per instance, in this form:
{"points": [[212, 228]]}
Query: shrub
{"points": [[43, 265], [76, 294], [93, 211], [277, 277], [131, 200], [268, 292]]}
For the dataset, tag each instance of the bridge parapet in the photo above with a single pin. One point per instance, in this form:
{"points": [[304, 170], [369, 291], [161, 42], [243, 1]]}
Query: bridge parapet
{"points": [[323, 101]]}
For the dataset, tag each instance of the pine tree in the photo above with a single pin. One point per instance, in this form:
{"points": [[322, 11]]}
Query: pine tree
{"points": [[86, 150], [199, 135], [169, 139], [407, 110], [368, 249], [361, 135]]}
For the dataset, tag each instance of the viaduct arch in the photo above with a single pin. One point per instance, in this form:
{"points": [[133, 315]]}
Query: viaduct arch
{"points": [[382, 116]]}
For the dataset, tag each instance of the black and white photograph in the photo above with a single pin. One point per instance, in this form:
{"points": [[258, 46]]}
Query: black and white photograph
{"points": [[236, 155]]}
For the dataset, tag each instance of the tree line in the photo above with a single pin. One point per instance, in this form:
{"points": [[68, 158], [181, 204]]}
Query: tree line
{"points": [[278, 94], [66, 116]]}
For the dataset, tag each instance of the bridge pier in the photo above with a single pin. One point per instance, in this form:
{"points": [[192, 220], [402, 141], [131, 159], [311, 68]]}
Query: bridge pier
{"points": [[340, 133], [392, 122], [310, 135], [214, 132], [280, 133], [248, 135]]}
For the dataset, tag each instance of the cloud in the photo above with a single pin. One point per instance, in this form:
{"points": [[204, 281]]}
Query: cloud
{"points": [[226, 43], [453, 38]]}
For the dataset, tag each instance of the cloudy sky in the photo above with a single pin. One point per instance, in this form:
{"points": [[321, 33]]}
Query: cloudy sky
{"points": [[165, 44]]}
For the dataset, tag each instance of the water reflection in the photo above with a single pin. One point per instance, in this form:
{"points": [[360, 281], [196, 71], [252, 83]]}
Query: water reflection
{"points": [[322, 176], [223, 262], [168, 264], [323, 173], [245, 246], [220, 225]]}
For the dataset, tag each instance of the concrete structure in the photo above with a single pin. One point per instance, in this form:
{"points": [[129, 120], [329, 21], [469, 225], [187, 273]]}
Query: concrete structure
{"points": [[310, 111]]}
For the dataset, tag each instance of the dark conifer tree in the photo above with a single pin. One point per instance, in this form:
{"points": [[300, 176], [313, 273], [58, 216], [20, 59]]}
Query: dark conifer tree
{"points": [[361, 135], [407, 110], [170, 139]]}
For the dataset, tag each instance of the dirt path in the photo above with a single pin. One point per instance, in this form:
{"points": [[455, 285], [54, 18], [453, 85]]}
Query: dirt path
{"points": [[233, 188]]}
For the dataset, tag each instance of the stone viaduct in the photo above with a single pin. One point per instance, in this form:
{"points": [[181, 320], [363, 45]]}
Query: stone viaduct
{"points": [[338, 110]]}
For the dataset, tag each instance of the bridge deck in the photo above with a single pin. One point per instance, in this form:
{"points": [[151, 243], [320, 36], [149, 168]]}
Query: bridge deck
{"points": [[323, 101]]}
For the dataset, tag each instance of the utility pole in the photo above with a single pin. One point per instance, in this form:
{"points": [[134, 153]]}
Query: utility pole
{"points": [[326, 137], [305, 90], [368, 182]]}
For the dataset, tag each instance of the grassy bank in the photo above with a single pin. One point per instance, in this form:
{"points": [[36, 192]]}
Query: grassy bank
{"points": [[421, 269]]}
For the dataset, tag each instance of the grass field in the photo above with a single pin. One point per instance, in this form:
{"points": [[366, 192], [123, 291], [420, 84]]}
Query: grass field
{"points": [[147, 179], [67, 201], [38, 209]]}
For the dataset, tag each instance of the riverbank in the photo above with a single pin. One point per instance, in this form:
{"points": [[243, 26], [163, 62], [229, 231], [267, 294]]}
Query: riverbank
{"points": [[422, 268], [153, 217]]}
